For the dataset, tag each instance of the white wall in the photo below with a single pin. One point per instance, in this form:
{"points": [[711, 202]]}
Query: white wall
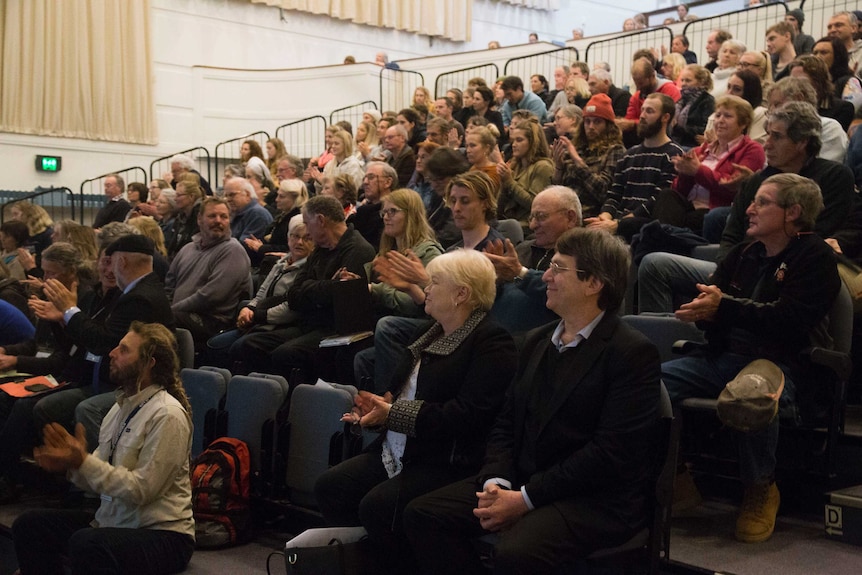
{"points": [[228, 67]]}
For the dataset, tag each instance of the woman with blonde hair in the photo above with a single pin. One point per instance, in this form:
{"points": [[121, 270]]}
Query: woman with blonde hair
{"points": [[39, 225], [343, 161], [366, 138], [694, 107], [150, 228], [759, 63], [671, 66], [422, 100], [405, 230], [528, 172], [82, 237]]}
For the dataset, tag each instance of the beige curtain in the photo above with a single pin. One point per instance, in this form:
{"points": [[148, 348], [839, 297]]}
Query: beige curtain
{"points": [[446, 18], [77, 69], [536, 4]]}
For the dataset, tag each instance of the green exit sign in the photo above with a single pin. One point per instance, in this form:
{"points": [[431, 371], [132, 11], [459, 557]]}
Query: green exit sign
{"points": [[49, 163]]}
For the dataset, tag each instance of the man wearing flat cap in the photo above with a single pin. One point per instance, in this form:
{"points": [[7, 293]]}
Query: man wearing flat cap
{"points": [[143, 299]]}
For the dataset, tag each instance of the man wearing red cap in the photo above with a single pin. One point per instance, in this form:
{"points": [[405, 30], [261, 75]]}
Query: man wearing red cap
{"points": [[589, 168]]}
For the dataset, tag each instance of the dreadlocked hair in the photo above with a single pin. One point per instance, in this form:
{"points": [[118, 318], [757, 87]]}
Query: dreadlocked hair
{"points": [[159, 344]]}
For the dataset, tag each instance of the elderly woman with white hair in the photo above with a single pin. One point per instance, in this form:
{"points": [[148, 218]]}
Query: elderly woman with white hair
{"points": [[442, 400], [728, 59], [291, 195], [260, 177], [269, 308]]}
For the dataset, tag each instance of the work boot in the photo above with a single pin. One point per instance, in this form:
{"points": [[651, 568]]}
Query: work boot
{"points": [[756, 519]]}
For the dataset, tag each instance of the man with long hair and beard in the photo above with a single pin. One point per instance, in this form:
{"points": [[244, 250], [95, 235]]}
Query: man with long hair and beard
{"points": [[642, 173], [140, 469]]}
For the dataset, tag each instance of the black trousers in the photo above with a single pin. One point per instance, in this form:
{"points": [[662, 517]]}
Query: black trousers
{"points": [[359, 492], [440, 527], [44, 537]]}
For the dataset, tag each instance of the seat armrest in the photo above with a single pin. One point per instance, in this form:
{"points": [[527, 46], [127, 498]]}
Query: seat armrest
{"points": [[837, 361], [687, 346]]}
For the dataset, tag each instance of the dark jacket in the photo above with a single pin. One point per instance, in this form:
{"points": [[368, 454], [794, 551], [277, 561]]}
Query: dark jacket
{"points": [[113, 211], [312, 291], [698, 115], [590, 440], [460, 389]]}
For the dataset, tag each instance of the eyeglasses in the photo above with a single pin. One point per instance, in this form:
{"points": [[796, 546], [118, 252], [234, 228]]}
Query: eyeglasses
{"points": [[556, 269], [540, 217], [749, 65], [369, 177], [390, 212], [761, 202]]}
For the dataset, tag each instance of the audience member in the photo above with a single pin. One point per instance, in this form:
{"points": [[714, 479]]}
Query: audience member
{"points": [[802, 43], [39, 225], [338, 249], [791, 147], [680, 45], [182, 165], [728, 58], [834, 55], [343, 190], [419, 183], [643, 172], [443, 165], [291, 195], [647, 83], [117, 207], [248, 219], [188, 203], [671, 66], [441, 402], [13, 236], [779, 44], [472, 198], [843, 26], [587, 162], [600, 83], [274, 150], [815, 71], [556, 496], [480, 150], [269, 309], [695, 106], [699, 186], [761, 304], [759, 63], [400, 156], [145, 517], [746, 85], [209, 276], [518, 99], [483, 98], [380, 180], [263, 187], [713, 44], [528, 172]]}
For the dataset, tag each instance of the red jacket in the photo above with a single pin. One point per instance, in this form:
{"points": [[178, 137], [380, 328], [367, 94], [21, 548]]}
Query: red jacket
{"points": [[748, 153], [636, 102]]}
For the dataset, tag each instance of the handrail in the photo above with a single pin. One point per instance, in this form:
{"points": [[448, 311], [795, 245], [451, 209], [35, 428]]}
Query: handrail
{"points": [[209, 176], [39, 192], [121, 173], [303, 138], [618, 51], [471, 72], [397, 83], [540, 63], [221, 145], [365, 105], [748, 25]]}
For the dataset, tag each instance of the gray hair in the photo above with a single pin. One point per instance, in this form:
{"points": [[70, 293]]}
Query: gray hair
{"points": [[854, 21], [601, 66], [115, 230], [795, 89], [736, 44], [399, 129], [802, 121], [602, 75], [793, 189], [388, 171], [244, 185], [566, 197], [184, 161]]}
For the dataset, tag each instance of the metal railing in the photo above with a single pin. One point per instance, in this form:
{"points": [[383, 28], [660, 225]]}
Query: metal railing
{"points": [[543, 63], [228, 151], [58, 202], [160, 166], [352, 114], [819, 12], [92, 195], [397, 87], [618, 51], [460, 78], [304, 138], [748, 26]]}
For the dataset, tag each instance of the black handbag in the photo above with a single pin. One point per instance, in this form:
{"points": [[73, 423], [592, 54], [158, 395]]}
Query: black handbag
{"points": [[346, 551]]}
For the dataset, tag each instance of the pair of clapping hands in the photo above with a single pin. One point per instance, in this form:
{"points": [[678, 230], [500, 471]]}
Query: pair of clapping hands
{"points": [[59, 298], [370, 410]]}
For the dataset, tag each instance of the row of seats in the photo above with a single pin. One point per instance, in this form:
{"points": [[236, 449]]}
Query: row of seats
{"points": [[294, 433]]}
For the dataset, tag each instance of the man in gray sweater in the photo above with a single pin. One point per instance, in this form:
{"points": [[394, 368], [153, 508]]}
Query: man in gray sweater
{"points": [[209, 276]]}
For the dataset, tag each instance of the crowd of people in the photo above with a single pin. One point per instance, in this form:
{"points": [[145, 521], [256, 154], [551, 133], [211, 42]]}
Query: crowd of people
{"points": [[494, 228]]}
